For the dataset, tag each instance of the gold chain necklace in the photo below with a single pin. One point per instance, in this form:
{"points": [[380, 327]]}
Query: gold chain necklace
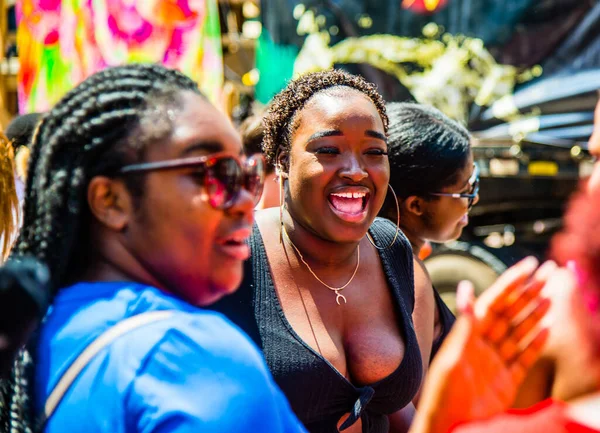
{"points": [[337, 290]]}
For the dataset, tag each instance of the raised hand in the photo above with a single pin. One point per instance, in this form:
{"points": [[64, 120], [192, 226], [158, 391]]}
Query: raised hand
{"points": [[484, 359]]}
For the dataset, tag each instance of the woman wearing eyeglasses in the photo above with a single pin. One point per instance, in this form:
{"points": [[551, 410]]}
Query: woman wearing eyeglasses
{"points": [[140, 201], [437, 183]]}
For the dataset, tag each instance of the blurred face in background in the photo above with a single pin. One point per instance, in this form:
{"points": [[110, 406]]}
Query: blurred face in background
{"points": [[444, 218]]}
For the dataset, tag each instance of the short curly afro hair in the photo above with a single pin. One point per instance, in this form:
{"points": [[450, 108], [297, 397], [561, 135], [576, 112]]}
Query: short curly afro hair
{"points": [[279, 120]]}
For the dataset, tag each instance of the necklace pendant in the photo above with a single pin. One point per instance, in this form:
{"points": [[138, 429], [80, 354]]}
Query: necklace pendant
{"points": [[338, 295]]}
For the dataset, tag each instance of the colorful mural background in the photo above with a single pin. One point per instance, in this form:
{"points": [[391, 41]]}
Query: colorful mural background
{"points": [[61, 42]]}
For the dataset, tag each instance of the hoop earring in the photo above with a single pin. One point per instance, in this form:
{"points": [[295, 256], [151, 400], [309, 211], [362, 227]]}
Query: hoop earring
{"points": [[397, 224], [281, 197]]}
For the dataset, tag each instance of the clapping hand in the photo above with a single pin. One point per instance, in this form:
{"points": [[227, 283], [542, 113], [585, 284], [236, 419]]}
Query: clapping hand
{"points": [[484, 359]]}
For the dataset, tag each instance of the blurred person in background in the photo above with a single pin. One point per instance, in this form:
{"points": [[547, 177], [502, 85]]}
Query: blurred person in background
{"points": [[436, 181], [553, 375], [22, 283], [20, 132], [252, 131], [9, 201]]}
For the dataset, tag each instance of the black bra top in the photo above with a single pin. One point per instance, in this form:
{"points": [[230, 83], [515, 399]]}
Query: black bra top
{"points": [[317, 392]]}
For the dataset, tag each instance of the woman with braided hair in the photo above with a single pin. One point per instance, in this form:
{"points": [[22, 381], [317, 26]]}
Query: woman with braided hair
{"points": [[139, 200]]}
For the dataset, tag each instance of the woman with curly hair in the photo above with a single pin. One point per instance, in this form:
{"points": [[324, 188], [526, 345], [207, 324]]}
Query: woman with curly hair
{"points": [[330, 292]]}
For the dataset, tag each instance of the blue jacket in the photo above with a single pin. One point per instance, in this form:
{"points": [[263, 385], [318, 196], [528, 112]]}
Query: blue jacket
{"points": [[192, 372]]}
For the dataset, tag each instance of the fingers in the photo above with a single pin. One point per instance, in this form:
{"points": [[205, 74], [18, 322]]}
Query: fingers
{"points": [[495, 298], [511, 315], [495, 326], [520, 297], [532, 352], [465, 297], [528, 356], [508, 350], [511, 323], [510, 347], [532, 290], [510, 338], [531, 320]]}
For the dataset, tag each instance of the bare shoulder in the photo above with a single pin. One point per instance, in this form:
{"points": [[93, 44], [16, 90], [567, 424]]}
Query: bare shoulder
{"points": [[268, 224], [424, 312], [266, 218], [423, 285]]}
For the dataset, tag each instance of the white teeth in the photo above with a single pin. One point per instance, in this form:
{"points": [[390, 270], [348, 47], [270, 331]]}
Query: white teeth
{"points": [[350, 194]]}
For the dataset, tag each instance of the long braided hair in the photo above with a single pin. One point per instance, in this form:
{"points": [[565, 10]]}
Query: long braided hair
{"points": [[94, 129]]}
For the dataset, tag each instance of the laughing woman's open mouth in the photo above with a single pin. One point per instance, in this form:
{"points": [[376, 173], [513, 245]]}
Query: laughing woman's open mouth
{"points": [[350, 203]]}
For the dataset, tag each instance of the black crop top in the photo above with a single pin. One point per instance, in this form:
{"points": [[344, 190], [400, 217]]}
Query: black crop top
{"points": [[317, 392]]}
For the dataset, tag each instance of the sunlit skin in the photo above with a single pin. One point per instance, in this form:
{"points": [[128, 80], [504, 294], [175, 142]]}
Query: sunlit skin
{"points": [[341, 148], [175, 240]]}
